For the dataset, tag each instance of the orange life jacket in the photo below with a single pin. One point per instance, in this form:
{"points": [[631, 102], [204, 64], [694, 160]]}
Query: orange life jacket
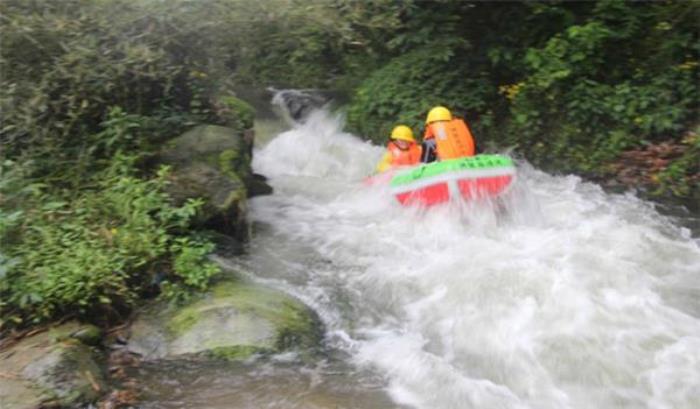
{"points": [[452, 138], [407, 157]]}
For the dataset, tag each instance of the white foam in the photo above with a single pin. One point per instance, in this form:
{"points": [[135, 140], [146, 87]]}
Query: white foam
{"points": [[559, 296]]}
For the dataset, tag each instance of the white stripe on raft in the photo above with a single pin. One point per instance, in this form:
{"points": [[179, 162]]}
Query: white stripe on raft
{"points": [[446, 177]]}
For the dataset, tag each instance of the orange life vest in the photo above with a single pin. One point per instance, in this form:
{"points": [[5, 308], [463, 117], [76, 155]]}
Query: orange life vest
{"points": [[452, 139], [407, 157]]}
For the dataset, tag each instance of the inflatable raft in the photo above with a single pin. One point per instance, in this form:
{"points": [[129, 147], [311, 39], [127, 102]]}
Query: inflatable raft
{"points": [[469, 178]]}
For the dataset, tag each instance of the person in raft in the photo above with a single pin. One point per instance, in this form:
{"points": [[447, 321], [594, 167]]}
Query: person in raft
{"points": [[402, 150], [445, 137]]}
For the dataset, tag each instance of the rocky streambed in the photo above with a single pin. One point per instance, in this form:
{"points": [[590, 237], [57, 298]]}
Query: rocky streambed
{"points": [[75, 364]]}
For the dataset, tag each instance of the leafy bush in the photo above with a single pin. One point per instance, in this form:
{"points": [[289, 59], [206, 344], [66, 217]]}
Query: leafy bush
{"points": [[90, 89], [302, 44], [569, 85], [64, 63], [92, 253], [456, 54], [406, 88], [584, 100], [235, 112], [190, 271]]}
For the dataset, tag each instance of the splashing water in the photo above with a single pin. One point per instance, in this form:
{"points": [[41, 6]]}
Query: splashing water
{"points": [[557, 296]]}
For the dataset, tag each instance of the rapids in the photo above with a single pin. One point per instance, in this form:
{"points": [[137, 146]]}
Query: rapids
{"points": [[558, 296]]}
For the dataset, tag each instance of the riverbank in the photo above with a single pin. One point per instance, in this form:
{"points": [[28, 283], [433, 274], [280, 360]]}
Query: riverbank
{"points": [[204, 182]]}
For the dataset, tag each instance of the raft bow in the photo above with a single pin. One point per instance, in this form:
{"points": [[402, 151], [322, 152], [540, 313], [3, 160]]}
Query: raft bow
{"points": [[469, 178]]}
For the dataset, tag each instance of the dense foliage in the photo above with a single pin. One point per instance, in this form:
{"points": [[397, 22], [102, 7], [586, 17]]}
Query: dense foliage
{"points": [[571, 86], [91, 253], [65, 63], [89, 91], [625, 76]]}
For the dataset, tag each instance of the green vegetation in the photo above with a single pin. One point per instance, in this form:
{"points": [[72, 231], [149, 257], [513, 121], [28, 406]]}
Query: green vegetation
{"points": [[625, 76], [91, 89], [236, 113], [94, 250], [237, 352], [571, 86], [374, 113]]}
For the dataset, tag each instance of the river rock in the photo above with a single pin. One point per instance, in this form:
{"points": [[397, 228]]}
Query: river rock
{"points": [[234, 112], [53, 366], [213, 163], [257, 185], [234, 321], [298, 104], [223, 148]]}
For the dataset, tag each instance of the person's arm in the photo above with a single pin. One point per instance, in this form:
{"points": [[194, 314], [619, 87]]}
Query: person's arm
{"points": [[385, 163], [428, 145], [428, 151]]}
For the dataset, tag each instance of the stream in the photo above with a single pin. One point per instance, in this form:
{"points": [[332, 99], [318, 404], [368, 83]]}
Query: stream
{"points": [[558, 295]]}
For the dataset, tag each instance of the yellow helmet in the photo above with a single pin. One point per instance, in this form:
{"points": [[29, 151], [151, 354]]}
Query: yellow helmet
{"points": [[402, 132], [438, 114]]}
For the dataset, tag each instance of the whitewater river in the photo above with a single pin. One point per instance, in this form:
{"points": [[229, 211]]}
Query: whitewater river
{"points": [[558, 296]]}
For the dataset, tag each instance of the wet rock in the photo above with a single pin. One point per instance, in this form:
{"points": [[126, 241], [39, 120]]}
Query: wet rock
{"points": [[257, 185], [234, 321], [226, 244], [52, 366], [234, 112], [297, 105], [224, 197], [88, 335], [223, 148], [212, 162], [16, 393]]}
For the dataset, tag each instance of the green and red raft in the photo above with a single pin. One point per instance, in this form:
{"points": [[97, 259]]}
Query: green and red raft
{"points": [[470, 178]]}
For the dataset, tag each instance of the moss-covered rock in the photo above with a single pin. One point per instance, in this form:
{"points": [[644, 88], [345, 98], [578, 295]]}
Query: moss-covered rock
{"points": [[224, 197], [212, 162], [235, 112], [53, 366], [236, 353], [88, 334], [234, 321], [224, 149]]}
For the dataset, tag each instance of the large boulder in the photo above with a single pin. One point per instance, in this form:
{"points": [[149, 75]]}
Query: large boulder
{"points": [[54, 367], [225, 149], [213, 163], [234, 321]]}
